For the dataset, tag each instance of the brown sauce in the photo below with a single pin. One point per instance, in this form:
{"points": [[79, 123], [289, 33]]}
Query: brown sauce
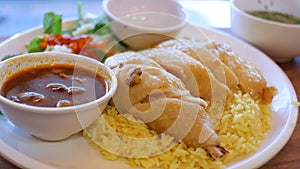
{"points": [[54, 86]]}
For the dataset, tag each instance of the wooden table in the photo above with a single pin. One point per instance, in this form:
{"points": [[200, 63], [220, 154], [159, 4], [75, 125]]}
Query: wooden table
{"points": [[287, 158]]}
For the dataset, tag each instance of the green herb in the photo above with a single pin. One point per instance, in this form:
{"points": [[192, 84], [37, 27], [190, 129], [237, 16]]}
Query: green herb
{"points": [[101, 23], [276, 16], [1, 113], [9, 56], [80, 20], [34, 45], [79, 11], [52, 23], [101, 26]]}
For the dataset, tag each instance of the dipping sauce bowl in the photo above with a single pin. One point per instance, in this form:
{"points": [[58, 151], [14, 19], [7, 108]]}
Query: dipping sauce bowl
{"points": [[53, 123]]}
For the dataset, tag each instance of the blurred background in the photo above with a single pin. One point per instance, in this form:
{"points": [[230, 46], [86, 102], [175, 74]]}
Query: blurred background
{"points": [[19, 15]]}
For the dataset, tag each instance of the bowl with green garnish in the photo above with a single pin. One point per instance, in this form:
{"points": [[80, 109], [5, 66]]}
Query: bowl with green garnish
{"points": [[271, 25]]}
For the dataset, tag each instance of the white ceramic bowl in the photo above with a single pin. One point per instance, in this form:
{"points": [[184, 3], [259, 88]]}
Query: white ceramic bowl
{"points": [[279, 40], [143, 23], [52, 123]]}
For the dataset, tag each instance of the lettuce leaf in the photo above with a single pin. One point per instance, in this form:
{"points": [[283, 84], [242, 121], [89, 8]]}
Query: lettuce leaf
{"points": [[34, 45], [52, 23]]}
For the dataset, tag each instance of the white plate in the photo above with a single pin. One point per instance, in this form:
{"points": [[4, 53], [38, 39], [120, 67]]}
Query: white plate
{"points": [[75, 153]]}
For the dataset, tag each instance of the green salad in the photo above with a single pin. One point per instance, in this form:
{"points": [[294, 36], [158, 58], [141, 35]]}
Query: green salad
{"points": [[92, 37]]}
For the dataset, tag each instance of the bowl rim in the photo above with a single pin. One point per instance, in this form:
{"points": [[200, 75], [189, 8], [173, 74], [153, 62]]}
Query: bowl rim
{"points": [[236, 8], [184, 20], [62, 110]]}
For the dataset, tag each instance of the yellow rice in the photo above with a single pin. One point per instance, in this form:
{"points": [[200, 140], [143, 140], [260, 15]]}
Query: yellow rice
{"points": [[242, 128]]}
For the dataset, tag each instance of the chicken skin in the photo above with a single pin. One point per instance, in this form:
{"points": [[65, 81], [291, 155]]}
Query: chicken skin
{"points": [[239, 73], [160, 100], [201, 54]]}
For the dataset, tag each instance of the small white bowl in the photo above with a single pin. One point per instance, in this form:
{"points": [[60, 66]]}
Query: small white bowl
{"points": [[279, 40], [142, 24], [53, 123]]}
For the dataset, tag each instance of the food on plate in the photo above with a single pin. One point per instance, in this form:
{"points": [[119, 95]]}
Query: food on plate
{"points": [[242, 128], [129, 57], [91, 38], [248, 78], [118, 139], [54, 86], [154, 89], [180, 104], [196, 77], [276, 16], [157, 89], [196, 51]]}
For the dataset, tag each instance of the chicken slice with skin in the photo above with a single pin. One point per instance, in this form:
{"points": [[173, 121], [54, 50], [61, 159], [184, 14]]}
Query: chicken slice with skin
{"points": [[120, 59], [201, 54], [195, 50], [196, 77], [250, 79], [137, 82], [187, 120], [160, 99]]}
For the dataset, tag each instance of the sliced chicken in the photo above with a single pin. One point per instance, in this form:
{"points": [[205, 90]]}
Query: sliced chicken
{"points": [[120, 59], [250, 79], [152, 82], [161, 100], [218, 57], [196, 77], [185, 120], [197, 51]]}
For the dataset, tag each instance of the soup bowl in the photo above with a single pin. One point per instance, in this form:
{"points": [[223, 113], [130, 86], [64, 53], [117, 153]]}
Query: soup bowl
{"points": [[278, 40], [142, 24], [54, 123]]}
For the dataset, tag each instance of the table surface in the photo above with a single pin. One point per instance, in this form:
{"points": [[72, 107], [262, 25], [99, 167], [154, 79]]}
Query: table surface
{"points": [[288, 157]]}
